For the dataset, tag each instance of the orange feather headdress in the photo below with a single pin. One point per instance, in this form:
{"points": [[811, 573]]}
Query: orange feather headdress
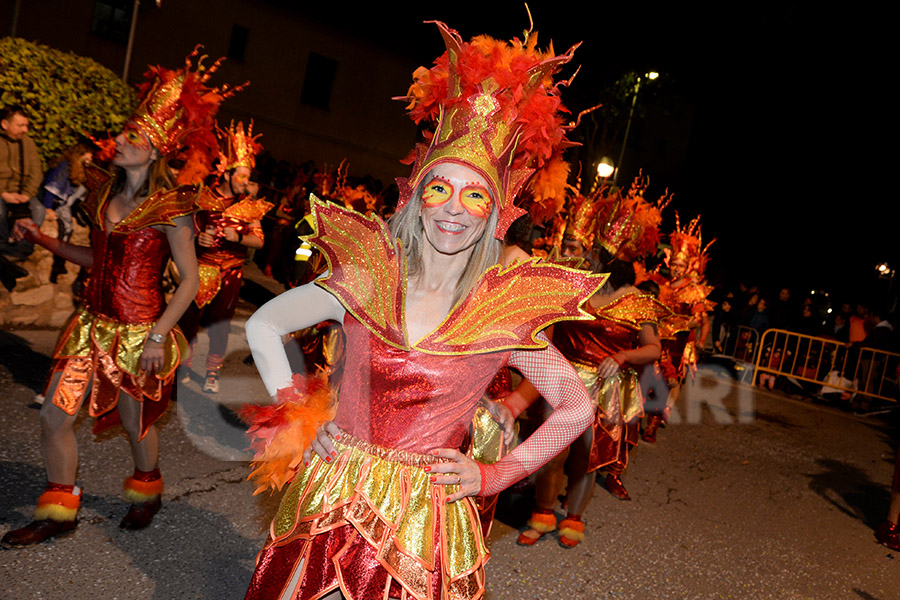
{"points": [[687, 245], [498, 111], [177, 112]]}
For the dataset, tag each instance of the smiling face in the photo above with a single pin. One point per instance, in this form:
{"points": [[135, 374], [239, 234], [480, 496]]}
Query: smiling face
{"points": [[133, 148], [455, 208]]}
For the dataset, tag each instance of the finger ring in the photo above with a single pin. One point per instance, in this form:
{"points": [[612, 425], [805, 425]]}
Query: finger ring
{"points": [[458, 479]]}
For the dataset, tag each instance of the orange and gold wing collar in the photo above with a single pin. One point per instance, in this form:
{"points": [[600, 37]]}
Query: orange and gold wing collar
{"points": [[97, 181], [160, 208], [366, 271], [248, 210], [209, 200], [633, 310], [509, 307]]}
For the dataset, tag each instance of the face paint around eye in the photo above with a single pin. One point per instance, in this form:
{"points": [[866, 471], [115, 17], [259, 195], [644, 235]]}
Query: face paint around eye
{"points": [[135, 137], [477, 201], [437, 192]]}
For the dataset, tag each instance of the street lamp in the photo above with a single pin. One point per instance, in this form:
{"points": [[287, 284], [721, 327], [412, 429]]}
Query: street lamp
{"points": [[637, 88], [605, 167]]}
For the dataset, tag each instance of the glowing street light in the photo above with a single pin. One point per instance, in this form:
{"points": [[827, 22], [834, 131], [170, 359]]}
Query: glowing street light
{"points": [[605, 167]]}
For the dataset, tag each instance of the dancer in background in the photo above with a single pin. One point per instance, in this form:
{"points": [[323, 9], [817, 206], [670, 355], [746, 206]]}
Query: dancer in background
{"points": [[227, 225], [685, 293], [610, 231], [122, 346]]}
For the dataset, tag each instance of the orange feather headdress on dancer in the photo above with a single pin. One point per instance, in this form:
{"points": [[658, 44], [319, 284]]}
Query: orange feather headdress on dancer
{"points": [[177, 113], [497, 111]]}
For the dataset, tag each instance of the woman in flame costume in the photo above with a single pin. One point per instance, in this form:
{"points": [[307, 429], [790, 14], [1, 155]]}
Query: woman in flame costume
{"points": [[685, 293], [227, 225], [609, 231], [380, 505], [121, 347]]}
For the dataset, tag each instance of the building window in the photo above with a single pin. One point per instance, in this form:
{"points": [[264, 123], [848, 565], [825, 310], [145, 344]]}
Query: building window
{"points": [[111, 19], [237, 46], [320, 72]]}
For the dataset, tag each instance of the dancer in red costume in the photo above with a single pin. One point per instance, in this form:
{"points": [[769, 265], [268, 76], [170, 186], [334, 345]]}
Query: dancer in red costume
{"points": [[609, 231], [381, 506], [121, 348], [685, 293], [226, 227]]}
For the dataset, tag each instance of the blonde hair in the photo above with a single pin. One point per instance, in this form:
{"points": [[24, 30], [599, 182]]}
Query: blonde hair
{"points": [[406, 226]]}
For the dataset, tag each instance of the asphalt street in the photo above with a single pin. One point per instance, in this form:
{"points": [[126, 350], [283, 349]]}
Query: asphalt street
{"points": [[749, 495]]}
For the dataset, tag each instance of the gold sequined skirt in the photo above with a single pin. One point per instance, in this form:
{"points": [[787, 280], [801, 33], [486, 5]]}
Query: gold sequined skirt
{"points": [[423, 547], [618, 401], [106, 355]]}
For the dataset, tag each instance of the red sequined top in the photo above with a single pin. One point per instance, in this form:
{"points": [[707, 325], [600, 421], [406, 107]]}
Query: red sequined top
{"points": [[129, 260], [125, 279], [409, 400], [615, 328]]}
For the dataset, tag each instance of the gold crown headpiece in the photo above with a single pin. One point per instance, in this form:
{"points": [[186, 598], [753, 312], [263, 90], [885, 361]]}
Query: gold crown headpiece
{"points": [[581, 217], [497, 111], [240, 148], [687, 245], [177, 108], [628, 227]]}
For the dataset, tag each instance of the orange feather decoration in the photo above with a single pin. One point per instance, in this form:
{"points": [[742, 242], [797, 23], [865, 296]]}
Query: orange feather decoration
{"points": [[280, 432]]}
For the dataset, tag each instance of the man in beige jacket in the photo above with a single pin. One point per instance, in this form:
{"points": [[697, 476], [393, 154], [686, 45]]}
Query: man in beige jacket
{"points": [[20, 176]]}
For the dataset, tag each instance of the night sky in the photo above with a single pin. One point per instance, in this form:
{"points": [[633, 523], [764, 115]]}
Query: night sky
{"points": [[788, 152]]}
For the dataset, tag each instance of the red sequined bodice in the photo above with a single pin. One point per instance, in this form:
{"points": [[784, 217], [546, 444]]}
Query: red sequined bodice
{"points": [[125, 282], [406, 399]]}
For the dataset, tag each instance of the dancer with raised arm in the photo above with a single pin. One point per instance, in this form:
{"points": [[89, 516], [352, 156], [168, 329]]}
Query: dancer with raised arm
{"points": [[121, 347]]}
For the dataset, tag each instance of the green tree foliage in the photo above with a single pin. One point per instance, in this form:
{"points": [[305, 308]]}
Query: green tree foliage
{"points": [[65, 95]]}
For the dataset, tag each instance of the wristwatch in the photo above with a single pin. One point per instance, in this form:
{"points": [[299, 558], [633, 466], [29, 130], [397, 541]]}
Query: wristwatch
{"points": [[157, 337]]}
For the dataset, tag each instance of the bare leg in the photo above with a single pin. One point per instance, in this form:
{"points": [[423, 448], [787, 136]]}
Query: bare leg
{"points": [[58, 446], [547, 486], [146, 450], [581, 483], [549, 481]]}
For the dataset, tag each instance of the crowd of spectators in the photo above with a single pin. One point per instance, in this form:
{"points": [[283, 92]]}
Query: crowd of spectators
{"points": [[29, 192], [744, 314]]}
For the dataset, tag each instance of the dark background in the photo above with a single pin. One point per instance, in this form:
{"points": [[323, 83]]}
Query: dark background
{"points": [[789, 147]]}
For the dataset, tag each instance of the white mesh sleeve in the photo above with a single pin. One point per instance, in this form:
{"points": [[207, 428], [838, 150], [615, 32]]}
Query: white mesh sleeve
{"points": [[553, 376]]}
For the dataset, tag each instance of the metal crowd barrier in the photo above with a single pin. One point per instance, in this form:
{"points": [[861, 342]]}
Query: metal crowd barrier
{"points": [[743, 343], [829, 363]]}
